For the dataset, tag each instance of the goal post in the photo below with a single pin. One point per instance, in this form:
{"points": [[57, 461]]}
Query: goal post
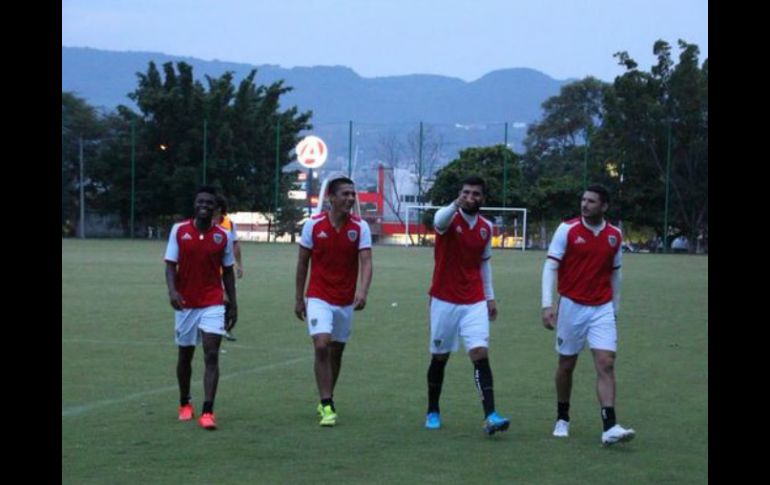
{"points": [[509, 225]]}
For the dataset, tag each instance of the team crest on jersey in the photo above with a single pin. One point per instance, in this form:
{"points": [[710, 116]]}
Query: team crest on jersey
{"points": [[459, 229], [483, 232], [437, 342], [313, 321], [352, 235], [613, 240], [217, 238]]}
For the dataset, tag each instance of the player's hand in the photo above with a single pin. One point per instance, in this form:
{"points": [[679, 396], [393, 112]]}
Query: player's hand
{"points": [[176, 300], [239, 272], [359, 302], [492, 310], [299, 309], [460, 202], [231, 315], [549, 318]]}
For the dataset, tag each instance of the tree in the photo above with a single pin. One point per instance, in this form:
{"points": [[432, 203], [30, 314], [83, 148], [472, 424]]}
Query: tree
{"points": [[81, 123], [486, 162], [646, 108], [558, 153], [176, 111]]}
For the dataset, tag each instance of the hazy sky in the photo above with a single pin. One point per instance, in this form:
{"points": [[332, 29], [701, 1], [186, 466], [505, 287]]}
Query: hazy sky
{"points": [[460, 38]]}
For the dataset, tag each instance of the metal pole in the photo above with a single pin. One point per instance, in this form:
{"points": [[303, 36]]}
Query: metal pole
{"points": [[350, 149], [585, 158], [505, 168], [205, 148], [133, 177], [82, 195], [668, 178], [277, 173], [419, 169]]}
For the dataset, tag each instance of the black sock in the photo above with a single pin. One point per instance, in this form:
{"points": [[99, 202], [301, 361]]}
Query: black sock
{"points": [[608, 417], [184, 400], [208, 407], [562, 411], [435, 380], [328, 402], [483, 376]]}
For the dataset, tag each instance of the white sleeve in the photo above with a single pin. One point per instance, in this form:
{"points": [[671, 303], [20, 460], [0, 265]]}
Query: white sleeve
{"points": [[617, 262], [234, 231], [550, 268], [443, 217], [615, 281], [486, 277], [558, 245], [365, 241], [306, 240], [228, 258], [172, 248]]}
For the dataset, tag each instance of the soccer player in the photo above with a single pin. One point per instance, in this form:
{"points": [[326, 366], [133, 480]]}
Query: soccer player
{"points": [[462, 300], [223, 219], [197, 252], [585, 257], [337, 243]]}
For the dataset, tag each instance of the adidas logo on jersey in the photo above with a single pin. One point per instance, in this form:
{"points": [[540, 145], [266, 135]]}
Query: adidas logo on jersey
{"points": [[186, 237], [580, 240], [322, 235]]}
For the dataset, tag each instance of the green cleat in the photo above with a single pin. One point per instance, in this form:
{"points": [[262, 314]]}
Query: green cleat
{"points": [[328, 416]]}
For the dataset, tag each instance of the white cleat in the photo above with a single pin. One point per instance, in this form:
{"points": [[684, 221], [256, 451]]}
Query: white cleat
{"points": [[617, 434], [561, 430]]}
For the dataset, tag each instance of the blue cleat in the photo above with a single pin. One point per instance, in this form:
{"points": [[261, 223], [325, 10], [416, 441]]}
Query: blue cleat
{"points": [[433, 421], [495, 423]]}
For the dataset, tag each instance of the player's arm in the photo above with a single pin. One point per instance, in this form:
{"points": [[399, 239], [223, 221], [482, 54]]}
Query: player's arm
{"points": [[365, 266], [303, 263], [365, 263], [171, 258], [443, 216], [176, 300], [550, 274], [616, 278], [236, 251], [486, 279], [228, 278]]}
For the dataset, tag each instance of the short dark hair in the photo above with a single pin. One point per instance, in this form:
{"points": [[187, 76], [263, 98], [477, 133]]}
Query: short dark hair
{"points": [[206, 189], [476, 180], [222, 203], [604, 194], [336, 184]]}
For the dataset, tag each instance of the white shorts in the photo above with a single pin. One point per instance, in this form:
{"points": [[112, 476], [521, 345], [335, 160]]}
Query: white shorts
{"points": [[325, 318], [191, 321], [451, 321], [577, 323]]}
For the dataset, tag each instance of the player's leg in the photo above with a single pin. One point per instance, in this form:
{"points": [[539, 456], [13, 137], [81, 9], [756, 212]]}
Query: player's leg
{"points": [[571, 328], [212, 329], [602, 339], [186, 337], [474, 330], [319, 320], [443, 340]]}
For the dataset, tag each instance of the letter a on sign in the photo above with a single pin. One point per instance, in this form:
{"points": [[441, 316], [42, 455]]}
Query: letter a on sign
{"points": [[311, 152]]}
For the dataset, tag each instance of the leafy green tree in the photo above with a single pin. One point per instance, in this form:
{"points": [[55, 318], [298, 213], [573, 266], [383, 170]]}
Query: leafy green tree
{"points": [[486, 162]]}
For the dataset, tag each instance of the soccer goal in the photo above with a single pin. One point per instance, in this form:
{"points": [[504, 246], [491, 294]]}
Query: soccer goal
{"points": [[509, 225]]}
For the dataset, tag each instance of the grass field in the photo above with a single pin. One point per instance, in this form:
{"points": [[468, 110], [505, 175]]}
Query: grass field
{"points": [[119, 394]]}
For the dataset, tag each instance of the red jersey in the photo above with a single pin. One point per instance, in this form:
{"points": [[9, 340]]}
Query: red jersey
{"points": [[586, 260], [200, 257], [458, 255], [334, 257]]}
